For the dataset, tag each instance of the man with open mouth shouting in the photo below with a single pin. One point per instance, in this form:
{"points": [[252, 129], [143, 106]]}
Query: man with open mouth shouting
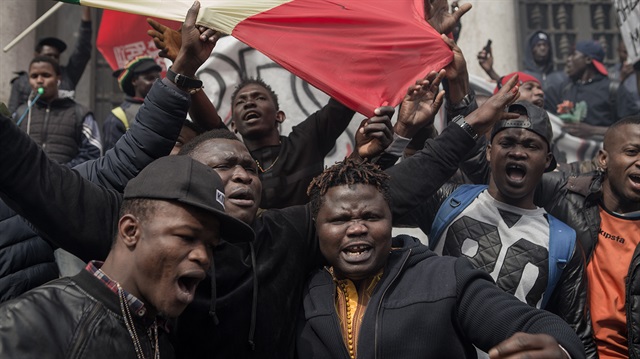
{"points": [[118, 308], [528, 253], [390, 297]]}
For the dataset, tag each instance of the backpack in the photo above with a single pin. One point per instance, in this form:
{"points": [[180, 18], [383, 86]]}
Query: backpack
{"points": [[562, 238]]}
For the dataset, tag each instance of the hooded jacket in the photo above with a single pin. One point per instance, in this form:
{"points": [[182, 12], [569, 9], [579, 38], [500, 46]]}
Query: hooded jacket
{"points": [[424, 306], [547, 75]]}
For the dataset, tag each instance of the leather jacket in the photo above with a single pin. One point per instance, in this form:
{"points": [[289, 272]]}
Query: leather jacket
{"points": [[88, 323]]}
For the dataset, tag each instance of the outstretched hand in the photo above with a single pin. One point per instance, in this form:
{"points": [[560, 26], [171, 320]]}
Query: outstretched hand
{"points": [[375, 134], [524, 345], [493, 110], [441, 19], [197, 44], [420, 105], [166, 39]]}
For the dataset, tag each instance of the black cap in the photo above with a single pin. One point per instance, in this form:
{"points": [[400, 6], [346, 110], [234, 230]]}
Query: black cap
{"points": [[137, 66], [185, 180], [534, 119], [53, 42]]}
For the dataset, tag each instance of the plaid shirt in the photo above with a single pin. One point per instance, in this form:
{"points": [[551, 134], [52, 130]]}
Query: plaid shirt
{"points": [[135, 305]]}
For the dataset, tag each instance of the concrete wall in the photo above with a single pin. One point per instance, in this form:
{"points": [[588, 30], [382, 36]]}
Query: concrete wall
{"points": [[16, 16], [495, 20]]}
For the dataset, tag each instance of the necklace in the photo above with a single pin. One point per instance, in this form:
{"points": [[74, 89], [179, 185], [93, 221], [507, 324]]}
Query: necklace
{"points": [[128, 321], [350, 323], [262, 170]]}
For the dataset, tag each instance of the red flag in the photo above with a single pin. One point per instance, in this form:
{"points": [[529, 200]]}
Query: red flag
{"points": [[123, 36], [362, 53]]}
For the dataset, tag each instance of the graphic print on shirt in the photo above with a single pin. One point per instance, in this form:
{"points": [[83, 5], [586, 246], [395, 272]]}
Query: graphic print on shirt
{"points": [[507, 242]]}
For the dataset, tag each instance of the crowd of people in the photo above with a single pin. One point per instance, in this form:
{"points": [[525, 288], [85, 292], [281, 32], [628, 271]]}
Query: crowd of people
{"points": [[198, 242]]}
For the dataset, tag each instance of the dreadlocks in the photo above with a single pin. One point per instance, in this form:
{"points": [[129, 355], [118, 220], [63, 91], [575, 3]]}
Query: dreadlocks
{"points": [[348, 172]]}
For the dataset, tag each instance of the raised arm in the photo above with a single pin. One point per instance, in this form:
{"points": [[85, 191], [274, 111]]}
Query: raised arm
{"points": [[417, 178], [169, 42], [82, 51], [72, 212], [152, 135]]}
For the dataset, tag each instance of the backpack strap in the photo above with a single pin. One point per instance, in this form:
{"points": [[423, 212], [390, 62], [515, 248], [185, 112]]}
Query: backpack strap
{"points": [[119, 113], [451, 208], [562, 243]]}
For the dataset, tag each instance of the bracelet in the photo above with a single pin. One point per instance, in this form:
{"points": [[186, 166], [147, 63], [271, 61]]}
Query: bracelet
{"points": [[185, 82]]}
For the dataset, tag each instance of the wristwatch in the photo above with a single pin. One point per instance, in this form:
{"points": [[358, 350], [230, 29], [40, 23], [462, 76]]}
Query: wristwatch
{"points": [[182, 81], [460, 121]]}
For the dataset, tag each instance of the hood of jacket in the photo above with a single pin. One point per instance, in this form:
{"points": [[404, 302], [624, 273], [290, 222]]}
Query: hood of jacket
{"points": [[530, 64]]}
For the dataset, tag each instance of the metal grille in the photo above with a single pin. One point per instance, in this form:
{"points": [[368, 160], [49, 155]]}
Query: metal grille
{"points": [[569, 21]]}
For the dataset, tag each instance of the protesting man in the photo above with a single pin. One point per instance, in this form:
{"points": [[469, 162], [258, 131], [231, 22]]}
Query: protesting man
{"points": [[164, 244], [70, 74], [393, 298]]}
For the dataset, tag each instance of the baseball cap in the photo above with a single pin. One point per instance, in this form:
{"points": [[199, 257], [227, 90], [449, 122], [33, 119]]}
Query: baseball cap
{"points": [[137, 66], [534, 119], [594, 50], [522, 78], [53, 42], [185, 180]]}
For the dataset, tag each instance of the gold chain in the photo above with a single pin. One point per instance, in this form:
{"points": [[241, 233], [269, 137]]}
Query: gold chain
{"points": [[128, 321], [268, 168], [352, 354]]}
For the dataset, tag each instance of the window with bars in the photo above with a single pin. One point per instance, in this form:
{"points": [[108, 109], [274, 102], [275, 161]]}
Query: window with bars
{"points": [[569, 21]]}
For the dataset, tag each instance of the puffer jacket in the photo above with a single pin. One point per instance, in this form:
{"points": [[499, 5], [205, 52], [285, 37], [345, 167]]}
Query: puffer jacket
{"points": [[26, 260], [574, 200], [425, 306], [72, 317]]}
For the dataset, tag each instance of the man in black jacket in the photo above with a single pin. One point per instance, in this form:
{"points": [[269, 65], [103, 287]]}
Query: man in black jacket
{"points": [[389, 298], [163, 247]]}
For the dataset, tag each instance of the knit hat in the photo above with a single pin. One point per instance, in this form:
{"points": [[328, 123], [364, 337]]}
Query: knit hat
{"points": [[522, 78], [185, 180], [137, 66], [594, 50], [534, 119]]}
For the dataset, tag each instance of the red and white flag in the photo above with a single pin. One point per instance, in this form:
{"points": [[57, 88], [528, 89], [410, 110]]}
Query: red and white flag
{"points": [[364, 53]]}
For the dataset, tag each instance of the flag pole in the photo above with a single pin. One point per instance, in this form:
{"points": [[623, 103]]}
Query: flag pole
{"points": [[35, 24]]}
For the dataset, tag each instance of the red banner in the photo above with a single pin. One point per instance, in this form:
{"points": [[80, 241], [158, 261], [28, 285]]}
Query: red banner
{"points": [[124, 36]]}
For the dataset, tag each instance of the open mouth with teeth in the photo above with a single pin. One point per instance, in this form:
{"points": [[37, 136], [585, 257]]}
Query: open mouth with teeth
{"points": [[187, 287], [516, 172], [635, 179], [251, 115], [357, 253]]}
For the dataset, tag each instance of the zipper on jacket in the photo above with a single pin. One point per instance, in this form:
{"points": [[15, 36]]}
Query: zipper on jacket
{"points": [[45, 131], [627, 288], [377, 327]]}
